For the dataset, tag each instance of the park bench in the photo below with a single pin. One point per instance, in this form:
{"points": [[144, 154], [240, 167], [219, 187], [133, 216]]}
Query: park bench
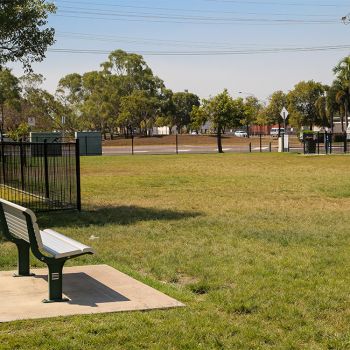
{"points": [[19, 225]]}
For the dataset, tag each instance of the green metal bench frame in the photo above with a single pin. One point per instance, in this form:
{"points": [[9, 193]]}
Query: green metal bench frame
{"points": [[54, 265]]}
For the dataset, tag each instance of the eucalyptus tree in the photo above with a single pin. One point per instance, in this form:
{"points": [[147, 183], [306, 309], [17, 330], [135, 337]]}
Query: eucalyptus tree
{"points": [[39, 104], [133, 73], [70, 94], [24, 35], [276, 102], [252, 108], [221, 111], [183, 105], [101, 104], [302, 103], [9, 94], [166, 109], [138, 110]]}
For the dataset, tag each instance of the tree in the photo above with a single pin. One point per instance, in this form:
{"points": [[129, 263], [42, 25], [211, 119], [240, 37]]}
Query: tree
{"points": [[9, 93], [101, 104], [198, 117], [24, 36], [321, 109], [277, 101], [183, 103], [221, 111], [302, 103], [252, 107], [331, 104], [132, 72], [138, 110], [70, 95], [342, 72], [37, 103]]}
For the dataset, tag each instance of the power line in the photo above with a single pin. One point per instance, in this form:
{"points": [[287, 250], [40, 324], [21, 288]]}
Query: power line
{"points": [[158, 42], [191, 10], [211, 52], [186, 20], [269, 3], [83, 10]]}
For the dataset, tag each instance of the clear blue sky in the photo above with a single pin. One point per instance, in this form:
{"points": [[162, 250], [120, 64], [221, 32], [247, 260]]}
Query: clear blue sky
{"points": [[218, 27]]}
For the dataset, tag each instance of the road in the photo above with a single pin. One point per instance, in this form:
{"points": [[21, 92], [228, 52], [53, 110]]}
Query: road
{"points": [[170, 149]]}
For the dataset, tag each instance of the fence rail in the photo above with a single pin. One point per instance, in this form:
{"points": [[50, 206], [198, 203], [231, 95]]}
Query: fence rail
{"points": [[192, 144], [42, 176]]}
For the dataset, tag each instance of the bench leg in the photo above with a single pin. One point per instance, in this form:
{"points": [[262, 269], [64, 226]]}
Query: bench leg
{"points": [[23, 261], [55, 282]]}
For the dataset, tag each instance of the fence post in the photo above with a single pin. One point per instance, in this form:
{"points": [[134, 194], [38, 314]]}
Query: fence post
{"points": [[318, 143], [177, 144], [46, 171], [21, 155], [3, 159], [260, 143], [345, 143], [270, 147], [132, 144], [77, 171], [330, 143], [250, 147]]}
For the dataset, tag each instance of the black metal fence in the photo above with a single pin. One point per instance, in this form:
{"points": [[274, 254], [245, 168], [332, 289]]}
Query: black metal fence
{"points": [[41, 176], [327, 143], [336, 143]]}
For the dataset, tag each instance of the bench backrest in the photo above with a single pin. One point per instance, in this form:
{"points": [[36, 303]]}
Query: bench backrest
{"points": [[17, 223]]}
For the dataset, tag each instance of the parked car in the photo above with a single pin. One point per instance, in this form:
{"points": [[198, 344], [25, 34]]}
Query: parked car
{"points": [[274, 132], [241, 133]]}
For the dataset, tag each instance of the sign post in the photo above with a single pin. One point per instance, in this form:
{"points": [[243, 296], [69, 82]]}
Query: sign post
{"points": [[284, 115], [63, 122]]}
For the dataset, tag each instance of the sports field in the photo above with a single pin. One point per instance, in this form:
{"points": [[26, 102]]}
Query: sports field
{"points": [[257, 246]]}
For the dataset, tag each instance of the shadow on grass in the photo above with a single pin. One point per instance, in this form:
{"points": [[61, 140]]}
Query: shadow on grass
{"points": [[123, 215]]}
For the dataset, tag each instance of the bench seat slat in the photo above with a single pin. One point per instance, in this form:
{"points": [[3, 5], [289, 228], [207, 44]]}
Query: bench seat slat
{"points": [[61, 246]]}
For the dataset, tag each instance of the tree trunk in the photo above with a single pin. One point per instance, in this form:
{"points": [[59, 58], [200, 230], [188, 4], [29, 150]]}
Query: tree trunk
{"points": [[342, 123], [219, 140], [279, 129]]}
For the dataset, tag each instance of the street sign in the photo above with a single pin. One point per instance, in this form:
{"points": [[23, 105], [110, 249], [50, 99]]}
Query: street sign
{"points": [[31, 121], [284, 113]]}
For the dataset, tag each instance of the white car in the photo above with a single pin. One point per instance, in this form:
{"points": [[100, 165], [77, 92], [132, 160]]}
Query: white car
{"points": [[240, 133], [274, 132]]}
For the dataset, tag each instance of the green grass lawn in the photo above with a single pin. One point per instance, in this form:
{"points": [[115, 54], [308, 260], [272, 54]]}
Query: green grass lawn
{"points": [[257, 246]]}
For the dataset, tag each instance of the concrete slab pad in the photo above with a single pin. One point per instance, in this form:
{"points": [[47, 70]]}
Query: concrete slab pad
{"points": [[91, 289]]}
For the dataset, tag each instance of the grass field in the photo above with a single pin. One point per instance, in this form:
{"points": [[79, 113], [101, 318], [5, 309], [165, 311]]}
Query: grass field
{"points": [[257, 246]]}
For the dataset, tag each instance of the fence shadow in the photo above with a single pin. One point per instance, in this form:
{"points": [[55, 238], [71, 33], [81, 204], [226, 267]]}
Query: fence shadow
{"points": [[121, 215]]}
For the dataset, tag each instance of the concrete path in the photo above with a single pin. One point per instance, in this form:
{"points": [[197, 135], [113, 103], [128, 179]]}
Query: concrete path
{"points": [[91, 290]]}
